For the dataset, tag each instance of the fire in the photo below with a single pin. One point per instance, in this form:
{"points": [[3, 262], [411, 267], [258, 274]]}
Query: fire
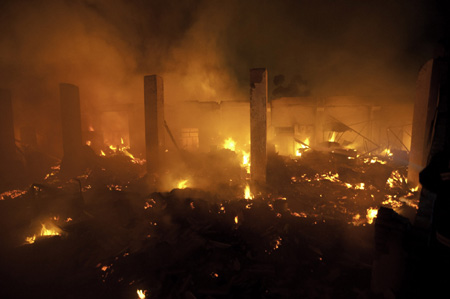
{"points": [[44, 232], [124, 150], [332, 138], [182, 184], [415, 189], [395, 179], [371, 214], [247, 193], [141, 294], [301, 147], [246, 161], [229, 144], [387, 152], [360, 186]]}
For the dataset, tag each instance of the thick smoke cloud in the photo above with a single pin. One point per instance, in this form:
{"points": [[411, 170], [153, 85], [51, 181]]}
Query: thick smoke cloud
{"points": [[204, 49]]}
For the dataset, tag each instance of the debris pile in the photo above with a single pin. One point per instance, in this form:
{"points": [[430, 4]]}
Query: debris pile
{"points": [[307, 236]]}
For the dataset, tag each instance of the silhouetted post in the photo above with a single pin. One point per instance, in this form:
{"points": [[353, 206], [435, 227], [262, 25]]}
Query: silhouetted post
{"points": [[72, 162], [7, 141], [425, 107], [154, 122], [258, 125]]}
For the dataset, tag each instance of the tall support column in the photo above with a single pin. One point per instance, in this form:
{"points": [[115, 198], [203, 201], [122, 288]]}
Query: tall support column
{"points": [[258, 125], [154, 122], [7, 141], [424, 111], [72, 162]]}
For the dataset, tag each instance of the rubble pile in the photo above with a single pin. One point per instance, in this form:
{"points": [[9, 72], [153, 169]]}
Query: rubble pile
{"points": [[107, 238]]}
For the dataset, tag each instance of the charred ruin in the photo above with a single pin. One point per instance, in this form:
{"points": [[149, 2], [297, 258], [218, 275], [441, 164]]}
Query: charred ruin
{"points": [[197, 180]]}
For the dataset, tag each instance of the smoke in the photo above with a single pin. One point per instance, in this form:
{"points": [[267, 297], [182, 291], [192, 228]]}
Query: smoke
{"points": [[204, 49]]}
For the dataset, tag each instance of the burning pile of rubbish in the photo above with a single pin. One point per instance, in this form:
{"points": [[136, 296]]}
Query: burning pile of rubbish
{"points": [[105, 234]]}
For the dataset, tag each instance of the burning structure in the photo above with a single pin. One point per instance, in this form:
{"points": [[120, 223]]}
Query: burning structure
{"points": [[187, 189]]}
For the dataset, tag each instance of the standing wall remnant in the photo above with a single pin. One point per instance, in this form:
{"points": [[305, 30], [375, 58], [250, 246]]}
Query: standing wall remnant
{"points": [[72, 162], [7, 141], [424, 111], [154, 122], [258, 125]]}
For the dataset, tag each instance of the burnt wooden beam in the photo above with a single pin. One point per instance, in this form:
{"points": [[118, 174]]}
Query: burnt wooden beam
{"points": [[258, 125], [154, 122], [72, 162]]}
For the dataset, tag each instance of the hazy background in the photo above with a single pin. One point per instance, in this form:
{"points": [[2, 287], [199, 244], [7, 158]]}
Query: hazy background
{"points": [[204, 49]]}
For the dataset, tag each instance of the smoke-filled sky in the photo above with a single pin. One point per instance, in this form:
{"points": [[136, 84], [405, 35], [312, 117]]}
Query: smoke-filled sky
{"points": [[204, 49]]}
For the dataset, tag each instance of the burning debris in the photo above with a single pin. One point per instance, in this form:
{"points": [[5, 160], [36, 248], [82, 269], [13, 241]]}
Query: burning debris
{"points": [[290, 242]]}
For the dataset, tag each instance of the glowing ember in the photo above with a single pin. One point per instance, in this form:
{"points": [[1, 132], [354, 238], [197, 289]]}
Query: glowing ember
{"points": [[371, 214], [141, 294], [301, 214], [12, 194], [391, 202], [88, 142], [247, 193], [236, 219], [356, 219], [91, 129], [182, 184], [102, 153]]}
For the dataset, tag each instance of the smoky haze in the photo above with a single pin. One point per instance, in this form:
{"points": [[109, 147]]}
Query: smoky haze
{"points": [[204, 49]]}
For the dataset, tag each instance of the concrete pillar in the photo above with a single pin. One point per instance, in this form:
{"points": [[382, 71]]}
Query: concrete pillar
{"points": [[319, 122], [72, 162], [7, 141], [28, 136], [154, 122], [258, 125], [424, 111]]}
